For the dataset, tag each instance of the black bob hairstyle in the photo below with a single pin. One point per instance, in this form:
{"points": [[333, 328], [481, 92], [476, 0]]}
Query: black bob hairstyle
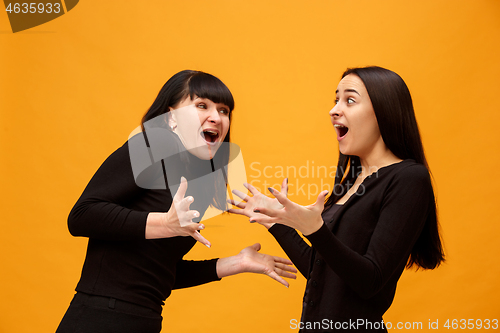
{"points": [[393, 106], [190, 83]]}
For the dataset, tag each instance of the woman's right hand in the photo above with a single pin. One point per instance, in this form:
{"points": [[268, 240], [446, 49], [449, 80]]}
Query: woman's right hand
{"points": [[178, 220], [257, 200], [250, 260]]}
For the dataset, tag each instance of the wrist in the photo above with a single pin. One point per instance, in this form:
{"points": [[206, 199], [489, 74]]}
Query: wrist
{"points": [[155, 226], [267, 225], [229, 266], [313, 227]]}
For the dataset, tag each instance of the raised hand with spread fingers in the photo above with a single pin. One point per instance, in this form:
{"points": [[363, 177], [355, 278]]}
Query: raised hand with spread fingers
{"points": [[267, 211], [178, 220], [249, 203]]}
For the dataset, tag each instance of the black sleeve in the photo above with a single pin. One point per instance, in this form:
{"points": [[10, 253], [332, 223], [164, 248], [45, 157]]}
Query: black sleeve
{"points": [[100, 211], [405, 207], [294, 246], [191, 273]]}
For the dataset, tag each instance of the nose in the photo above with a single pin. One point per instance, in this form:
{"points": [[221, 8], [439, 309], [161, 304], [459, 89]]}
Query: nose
{"points": [[335, 112], [214, 116]]}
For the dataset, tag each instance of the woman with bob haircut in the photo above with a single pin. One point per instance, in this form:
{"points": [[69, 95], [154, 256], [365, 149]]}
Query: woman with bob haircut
{"points": [[380, 217], [139, 230]]}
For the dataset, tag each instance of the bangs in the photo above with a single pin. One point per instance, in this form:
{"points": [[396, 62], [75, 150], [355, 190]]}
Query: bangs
{"points": [[208, 86]]}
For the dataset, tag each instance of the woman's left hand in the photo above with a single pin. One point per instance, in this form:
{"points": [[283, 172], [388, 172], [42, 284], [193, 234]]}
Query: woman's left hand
{"points": [[249, 260], [306, 219]]}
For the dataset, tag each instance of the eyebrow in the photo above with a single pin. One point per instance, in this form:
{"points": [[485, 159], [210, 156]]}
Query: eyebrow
{"points": [[348, 90], [208, 99]]}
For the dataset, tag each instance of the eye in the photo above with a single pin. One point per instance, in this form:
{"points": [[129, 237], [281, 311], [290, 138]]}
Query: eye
{"points": [[202, 105], [224, 111], [350, 100], [336, 101]]}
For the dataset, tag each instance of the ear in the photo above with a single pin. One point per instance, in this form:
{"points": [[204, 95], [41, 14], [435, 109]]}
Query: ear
{"points": [[170, 119]]}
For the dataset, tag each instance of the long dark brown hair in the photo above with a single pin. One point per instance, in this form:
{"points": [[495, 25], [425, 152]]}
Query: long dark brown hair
{"points": [[393, 106]]}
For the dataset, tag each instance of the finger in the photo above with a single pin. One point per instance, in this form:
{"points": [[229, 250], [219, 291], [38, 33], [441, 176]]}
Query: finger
{"points": [[181, 191], [284, 187], [281, 198], [252, 189], [282, 260], [241, 204], [286, 268], [262, 219], [196, 235], [192, 214], [278, 278], [183, 205], [284, 273], [238, 211], [185, 220], [191, 227], [267, 211], [241, 195]]}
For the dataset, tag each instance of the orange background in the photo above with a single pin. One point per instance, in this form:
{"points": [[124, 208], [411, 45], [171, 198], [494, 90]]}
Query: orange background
{"points": [[72, 90]]}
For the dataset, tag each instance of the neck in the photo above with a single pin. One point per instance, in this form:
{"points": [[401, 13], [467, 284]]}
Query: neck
{"points": [[378, 158]]}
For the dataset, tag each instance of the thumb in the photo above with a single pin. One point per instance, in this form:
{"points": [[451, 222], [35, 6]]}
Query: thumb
{"points": [[256, 247], [320, 201]]}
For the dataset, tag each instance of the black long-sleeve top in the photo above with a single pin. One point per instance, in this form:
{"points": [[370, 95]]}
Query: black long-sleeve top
{"points": [[360, 252], [120, 262]]}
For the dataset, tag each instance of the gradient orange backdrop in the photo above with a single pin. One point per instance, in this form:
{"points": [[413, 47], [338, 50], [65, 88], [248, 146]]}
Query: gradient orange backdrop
{"points": [[72, 90]]}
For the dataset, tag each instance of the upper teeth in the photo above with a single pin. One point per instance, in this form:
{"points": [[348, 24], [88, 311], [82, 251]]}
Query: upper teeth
{"points": [[338, 125], [211, 132]]}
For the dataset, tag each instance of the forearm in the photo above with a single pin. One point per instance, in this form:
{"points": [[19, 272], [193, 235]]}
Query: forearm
{"points": [[294, 246], [190, 273]]}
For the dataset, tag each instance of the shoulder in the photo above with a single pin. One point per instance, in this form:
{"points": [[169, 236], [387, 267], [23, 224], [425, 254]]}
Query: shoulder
{"points": [[146, 148], [118, 156], [409, 169], [410, 174]]}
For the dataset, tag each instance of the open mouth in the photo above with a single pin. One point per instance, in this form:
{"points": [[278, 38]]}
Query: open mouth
{"points": [[210, 136], [341, 130]]}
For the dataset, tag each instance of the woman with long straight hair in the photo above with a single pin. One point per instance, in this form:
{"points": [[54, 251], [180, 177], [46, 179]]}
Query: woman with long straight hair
{"points": [[141, 217], [380, 217]]}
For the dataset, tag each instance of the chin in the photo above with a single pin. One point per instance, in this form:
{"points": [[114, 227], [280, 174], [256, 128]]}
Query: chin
{"points": [[343, 150], [204, 152]]}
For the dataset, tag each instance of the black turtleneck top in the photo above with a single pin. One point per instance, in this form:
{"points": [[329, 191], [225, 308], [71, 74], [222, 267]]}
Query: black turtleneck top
{"points": [[112, 213]]}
